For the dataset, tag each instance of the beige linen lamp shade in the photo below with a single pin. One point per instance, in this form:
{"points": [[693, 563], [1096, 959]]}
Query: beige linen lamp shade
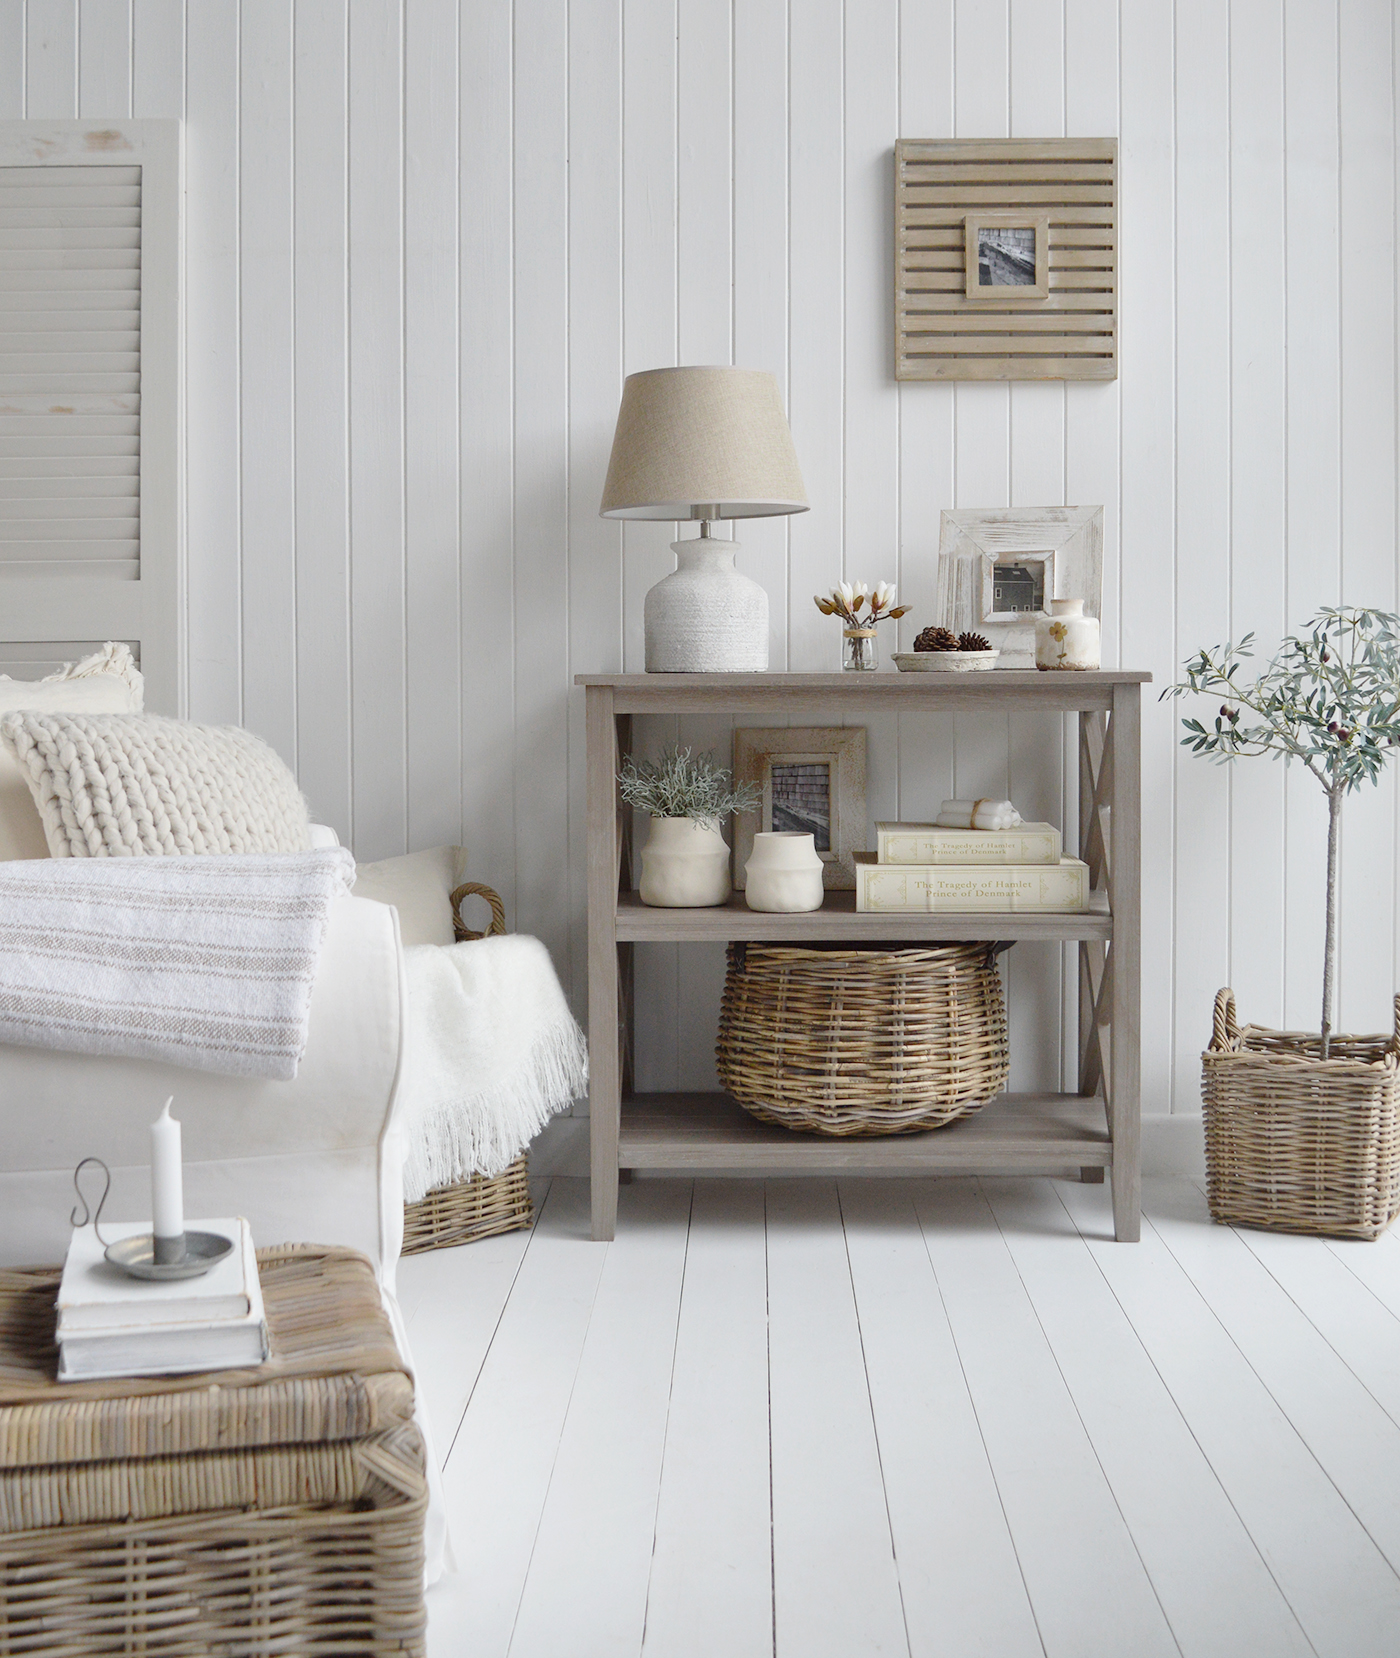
{"points": [[702, 443]]}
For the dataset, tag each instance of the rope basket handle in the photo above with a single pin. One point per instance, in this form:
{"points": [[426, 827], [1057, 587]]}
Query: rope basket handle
{"points": [[1397, 1021], [474, 889], [1225, 1028]]}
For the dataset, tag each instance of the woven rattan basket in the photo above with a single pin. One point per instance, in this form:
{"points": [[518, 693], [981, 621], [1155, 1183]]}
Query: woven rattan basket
{"points": [[878, 1040], [274, 1510], [478, 1207], [1296, 1142]]}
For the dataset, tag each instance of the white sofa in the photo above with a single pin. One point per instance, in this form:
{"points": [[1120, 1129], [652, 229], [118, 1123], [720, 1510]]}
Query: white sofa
{"points": [[315, 1159]]}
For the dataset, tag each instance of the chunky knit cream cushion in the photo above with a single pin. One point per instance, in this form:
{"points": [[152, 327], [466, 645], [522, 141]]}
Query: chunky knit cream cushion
{"points": [[107, 682], [115, 785]]}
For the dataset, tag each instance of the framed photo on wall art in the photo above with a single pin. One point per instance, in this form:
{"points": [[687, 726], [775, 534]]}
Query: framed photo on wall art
{"points": [[998, 569], [813, 782], [1007, 256]]}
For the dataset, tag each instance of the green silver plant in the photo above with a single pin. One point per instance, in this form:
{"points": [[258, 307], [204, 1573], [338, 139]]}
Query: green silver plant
{"points": [[681, 785], [1330, 698]]}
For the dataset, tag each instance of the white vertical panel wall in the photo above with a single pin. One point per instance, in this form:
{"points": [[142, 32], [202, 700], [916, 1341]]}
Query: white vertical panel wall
{"points": [[427, 238]]}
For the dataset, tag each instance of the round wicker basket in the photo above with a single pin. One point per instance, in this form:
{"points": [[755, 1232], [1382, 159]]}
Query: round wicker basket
{"points": [[879, 1040]]}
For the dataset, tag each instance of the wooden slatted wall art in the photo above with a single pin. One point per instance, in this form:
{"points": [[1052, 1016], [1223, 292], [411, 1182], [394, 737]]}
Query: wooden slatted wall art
{"points": [[1055, 321], [90, 395]]}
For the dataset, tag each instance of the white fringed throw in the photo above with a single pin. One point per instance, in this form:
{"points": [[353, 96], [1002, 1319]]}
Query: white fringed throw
{"points": [[205, 962], [492, 1054]]}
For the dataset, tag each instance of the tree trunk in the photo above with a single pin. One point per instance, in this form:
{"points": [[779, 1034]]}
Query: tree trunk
{"points": [[1329, 963]]}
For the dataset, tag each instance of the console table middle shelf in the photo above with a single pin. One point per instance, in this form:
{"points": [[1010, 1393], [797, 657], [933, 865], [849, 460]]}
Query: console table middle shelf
{"points": [[1096, 1129]]}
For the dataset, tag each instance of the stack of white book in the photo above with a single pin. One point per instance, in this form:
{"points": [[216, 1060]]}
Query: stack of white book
{"points": [[925, 867], [110, 1324]]}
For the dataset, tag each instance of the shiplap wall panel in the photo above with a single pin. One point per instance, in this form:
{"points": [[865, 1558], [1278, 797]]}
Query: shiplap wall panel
{"points": [[433, 599], [51, 59], [213, 416], [1202, 444], [157, 55], [1258, 600], [267, 375], [1312, 554], [541, 469], [489, 623], [394, 563], [104, 59], [378, 740], [320, 235], [12, 60], [1367, 967]]}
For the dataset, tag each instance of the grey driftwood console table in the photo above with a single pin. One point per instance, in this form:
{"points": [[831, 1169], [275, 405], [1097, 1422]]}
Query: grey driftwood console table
{"points": [[686, 1134]]}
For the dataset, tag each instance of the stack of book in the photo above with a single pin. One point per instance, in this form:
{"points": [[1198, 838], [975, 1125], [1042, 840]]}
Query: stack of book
{"points": [[110, 1324], [924, 867]]}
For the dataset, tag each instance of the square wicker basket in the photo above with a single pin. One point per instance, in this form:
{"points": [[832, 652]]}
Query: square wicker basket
{"points": [[246, 1512], [480, 1206], [1295, 1142]]}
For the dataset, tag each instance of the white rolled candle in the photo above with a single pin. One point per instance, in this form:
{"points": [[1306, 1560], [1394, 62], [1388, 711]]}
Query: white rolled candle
{"points": [[167, 1178], [978, 814]]}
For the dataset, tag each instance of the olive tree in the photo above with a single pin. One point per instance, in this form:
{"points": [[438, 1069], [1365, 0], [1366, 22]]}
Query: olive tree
{"points": [[1329, 699]]}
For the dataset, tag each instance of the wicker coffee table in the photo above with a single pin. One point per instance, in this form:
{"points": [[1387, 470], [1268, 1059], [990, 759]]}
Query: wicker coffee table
{"points": [[244, 1512]]}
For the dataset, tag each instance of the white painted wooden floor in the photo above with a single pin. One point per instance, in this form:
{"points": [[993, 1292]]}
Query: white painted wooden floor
{"points": [[912, 1417]]}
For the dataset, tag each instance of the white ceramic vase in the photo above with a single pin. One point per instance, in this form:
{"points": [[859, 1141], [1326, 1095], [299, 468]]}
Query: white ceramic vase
{"points": [[685, 865], [1067, 638], [705, 618], [784, 873]]}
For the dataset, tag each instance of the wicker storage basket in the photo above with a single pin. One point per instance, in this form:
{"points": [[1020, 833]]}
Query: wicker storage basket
{"points": [[247, 1512], [477, 1207], [1295, 1142], [870, 1041]]}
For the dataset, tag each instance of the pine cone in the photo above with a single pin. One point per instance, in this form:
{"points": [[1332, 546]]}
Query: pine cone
{"points": [[936, 639], [973, 642]]}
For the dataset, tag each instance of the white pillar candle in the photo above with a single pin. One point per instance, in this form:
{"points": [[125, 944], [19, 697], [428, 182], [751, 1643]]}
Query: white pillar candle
{"points": [[167, 1181]]}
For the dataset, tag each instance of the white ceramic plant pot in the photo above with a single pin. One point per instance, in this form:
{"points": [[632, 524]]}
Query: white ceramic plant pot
{"points": [[685, 865], [705, 618], [784, 873], [1067, 638]]}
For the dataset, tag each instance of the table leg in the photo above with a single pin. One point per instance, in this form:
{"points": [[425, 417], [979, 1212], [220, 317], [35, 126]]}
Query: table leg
{"points": [[1125, 963], [604, 1070]]}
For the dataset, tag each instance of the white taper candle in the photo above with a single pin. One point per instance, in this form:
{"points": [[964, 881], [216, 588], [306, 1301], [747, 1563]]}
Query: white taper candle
{"points": [[167, 1180]]}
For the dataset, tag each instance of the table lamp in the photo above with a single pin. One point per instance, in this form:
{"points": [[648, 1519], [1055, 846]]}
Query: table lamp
{"points": [[703, 443]]}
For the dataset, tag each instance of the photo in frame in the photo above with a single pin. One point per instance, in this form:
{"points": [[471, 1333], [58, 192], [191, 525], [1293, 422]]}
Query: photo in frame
{"points": [[813, 782], [1007, 256], [998, 569]]}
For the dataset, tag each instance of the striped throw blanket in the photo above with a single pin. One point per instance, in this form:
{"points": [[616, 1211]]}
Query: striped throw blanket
{"points": [[203, 962]]}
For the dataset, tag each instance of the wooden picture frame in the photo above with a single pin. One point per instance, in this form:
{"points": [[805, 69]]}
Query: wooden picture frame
{"points": [[800, 751], [947, 324], [1063, 546], [980, 233]]}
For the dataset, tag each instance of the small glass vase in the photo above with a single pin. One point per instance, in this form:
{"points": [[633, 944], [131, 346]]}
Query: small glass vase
{"points": [[859, 651]]}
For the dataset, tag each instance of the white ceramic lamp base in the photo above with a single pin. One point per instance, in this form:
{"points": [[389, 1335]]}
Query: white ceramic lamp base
{"points": [[705, 618]]}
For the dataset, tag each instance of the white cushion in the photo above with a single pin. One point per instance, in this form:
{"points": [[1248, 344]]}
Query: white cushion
{"points": [[107, 682], [419, 886], [114, 785]]}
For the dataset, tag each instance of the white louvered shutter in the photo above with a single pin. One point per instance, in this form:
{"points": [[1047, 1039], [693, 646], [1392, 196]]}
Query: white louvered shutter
{"points": [[90, 328]]}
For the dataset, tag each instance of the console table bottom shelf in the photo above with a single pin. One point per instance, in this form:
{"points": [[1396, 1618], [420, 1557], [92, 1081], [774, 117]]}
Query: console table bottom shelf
{"points": [[690, 1133]]}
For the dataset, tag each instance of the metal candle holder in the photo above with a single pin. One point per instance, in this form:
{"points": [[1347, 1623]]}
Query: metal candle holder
{"points": [[158, 1260]]}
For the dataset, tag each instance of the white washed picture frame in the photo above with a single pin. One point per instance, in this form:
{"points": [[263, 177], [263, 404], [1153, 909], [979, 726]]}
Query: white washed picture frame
{"points": [[973, 541], [842, 749]]}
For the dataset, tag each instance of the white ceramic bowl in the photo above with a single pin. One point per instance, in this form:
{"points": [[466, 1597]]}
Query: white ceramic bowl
{"points": [[943, 662]]}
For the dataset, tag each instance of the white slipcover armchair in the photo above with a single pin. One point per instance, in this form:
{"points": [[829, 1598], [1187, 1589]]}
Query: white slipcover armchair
{"points": [[316, 1159]]}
